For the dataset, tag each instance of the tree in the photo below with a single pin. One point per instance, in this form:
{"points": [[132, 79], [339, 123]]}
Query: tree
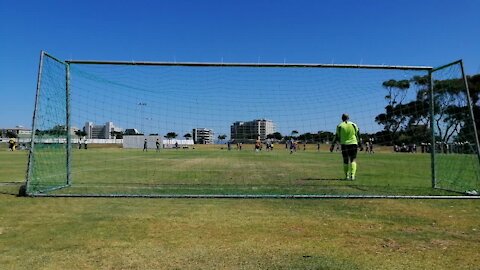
{"points": [[80, 133], [396, 91], [118, 135], [324, 136], [276, 135], [465, 133], [294, 132], [57, 130], [222, 137], [400, 116], [393, 118], [449, 107], [187, 136], [306, 137], [460, 117], [171, 135], [410, 122], [11, 134], [474, 87]]}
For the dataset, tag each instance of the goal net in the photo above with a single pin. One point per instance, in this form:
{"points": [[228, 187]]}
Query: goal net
{"points": [[455, 162], [216, 129]]}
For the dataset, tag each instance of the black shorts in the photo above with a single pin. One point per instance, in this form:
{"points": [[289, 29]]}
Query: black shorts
{"points": [[349, 151]]}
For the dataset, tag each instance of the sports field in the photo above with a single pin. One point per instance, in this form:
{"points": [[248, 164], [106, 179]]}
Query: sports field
{"points": [[93, 233], [215, 170]]}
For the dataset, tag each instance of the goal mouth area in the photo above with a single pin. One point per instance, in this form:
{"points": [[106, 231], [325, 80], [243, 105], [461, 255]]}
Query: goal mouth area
{"points": [[328, 188]]}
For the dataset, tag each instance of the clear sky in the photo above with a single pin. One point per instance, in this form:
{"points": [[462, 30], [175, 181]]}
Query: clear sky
{"points": [[370, 32]]}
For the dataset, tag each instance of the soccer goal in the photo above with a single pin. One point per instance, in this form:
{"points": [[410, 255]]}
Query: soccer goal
{"points": [[163, 129]]}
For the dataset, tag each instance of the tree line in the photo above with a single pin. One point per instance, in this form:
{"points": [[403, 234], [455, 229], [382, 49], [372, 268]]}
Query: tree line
{"points": [[408, 121]]}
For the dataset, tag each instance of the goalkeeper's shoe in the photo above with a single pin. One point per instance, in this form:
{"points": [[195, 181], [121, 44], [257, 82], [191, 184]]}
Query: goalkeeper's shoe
{"points": [[352, 177]]}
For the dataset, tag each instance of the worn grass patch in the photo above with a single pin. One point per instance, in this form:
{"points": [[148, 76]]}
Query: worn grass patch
{"points": [[58, 233], [65, 233]]}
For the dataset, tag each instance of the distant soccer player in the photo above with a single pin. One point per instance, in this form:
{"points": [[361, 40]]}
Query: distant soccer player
{"points": [[157, 144], [348, 136], [257, 146], [292, 146], [11, 145], [145, 145]]}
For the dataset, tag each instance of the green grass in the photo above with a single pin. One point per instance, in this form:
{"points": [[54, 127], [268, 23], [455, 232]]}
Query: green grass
{"points": [[13, 165], [88, 233], [210, 170], [60, 233]]}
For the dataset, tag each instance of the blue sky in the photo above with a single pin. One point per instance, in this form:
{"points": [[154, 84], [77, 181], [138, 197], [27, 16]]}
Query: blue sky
{"points": [[369, 32]]}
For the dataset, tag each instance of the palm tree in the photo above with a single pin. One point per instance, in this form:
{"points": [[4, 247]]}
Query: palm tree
{"points": [[171, 135], [222, 137]]}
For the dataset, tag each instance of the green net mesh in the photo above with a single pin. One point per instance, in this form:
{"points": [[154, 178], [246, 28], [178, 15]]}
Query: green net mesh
{"points": [[456, 159], [48, 158], [203, 130]]}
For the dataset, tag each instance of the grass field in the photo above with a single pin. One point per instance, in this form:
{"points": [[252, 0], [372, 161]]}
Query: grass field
{"points": [[212, 170], [101, 233]]}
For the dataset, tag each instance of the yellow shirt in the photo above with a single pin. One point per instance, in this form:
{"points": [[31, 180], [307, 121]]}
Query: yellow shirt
{"points": [[347, 133]]}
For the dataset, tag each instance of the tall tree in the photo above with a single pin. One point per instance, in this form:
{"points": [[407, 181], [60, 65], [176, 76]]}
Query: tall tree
{"points": [[393, 118], [396, 91]]}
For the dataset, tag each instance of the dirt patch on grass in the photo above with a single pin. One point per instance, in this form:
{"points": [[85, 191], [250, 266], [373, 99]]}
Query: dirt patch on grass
{"points": [[391, 244], [411, 230], [440, 243]]}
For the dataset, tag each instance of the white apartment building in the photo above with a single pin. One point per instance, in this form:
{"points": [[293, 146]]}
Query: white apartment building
{"points": [[202, 135]]}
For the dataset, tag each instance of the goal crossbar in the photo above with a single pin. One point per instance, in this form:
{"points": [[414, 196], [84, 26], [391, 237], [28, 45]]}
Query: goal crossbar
{"points": [[263, 65]]}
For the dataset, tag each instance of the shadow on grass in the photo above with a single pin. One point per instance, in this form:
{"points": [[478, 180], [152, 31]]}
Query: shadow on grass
{"points": [[10, 188], [323, 179]]}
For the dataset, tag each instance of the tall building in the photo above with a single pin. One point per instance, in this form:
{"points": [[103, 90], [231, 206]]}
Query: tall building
{"points": [[251, 130], [202, 135], [100, 131]]}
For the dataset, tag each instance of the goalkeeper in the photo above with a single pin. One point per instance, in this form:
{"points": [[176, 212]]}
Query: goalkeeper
{"points": [[348, 135]]}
